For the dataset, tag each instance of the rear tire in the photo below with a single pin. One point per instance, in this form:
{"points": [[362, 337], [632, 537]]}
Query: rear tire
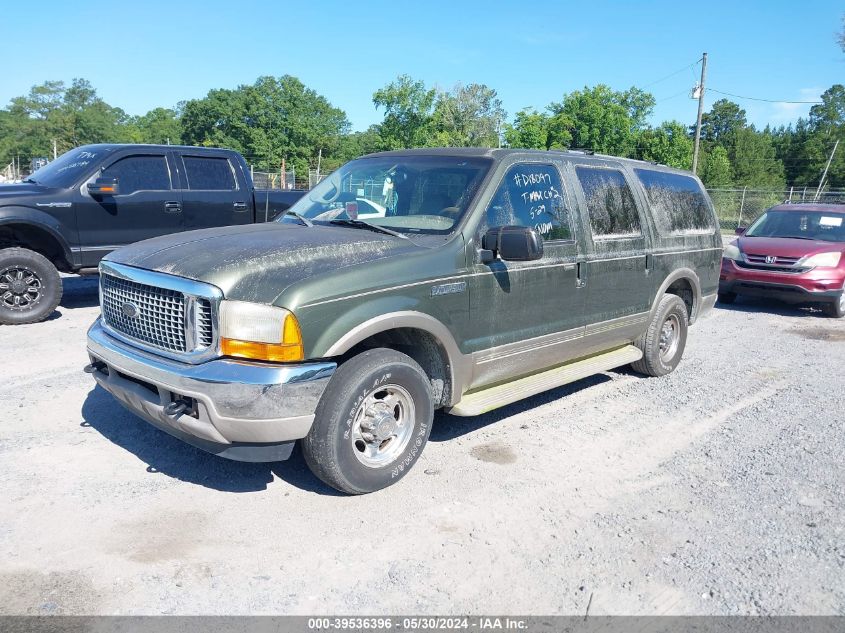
{"points": [[372, 422], [727, 297], [30, 286], [664, 341]]}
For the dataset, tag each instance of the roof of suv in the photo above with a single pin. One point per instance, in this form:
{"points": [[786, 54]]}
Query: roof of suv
{"points": [[499, 154]]}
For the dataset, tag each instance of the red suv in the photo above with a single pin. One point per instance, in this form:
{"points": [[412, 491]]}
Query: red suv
{"points": [[793, 252]]}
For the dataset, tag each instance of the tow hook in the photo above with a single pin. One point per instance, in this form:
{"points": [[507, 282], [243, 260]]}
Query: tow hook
{"points": [[177, 407], [96, 366]]}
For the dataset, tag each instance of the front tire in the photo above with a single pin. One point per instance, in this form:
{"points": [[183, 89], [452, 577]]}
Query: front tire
{"points": [[30, 286], [372, 422], [836, 309], [664, 341]]}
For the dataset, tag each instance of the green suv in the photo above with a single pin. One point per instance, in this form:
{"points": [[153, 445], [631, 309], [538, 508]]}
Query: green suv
{"points": [[405, 282]]}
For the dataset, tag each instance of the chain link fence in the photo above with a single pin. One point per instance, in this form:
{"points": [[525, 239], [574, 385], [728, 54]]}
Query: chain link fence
{"points": [[740, 207], [277, 180]]}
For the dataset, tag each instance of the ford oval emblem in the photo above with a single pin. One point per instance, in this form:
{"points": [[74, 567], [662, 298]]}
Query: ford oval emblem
{"points": [[130, 310]]}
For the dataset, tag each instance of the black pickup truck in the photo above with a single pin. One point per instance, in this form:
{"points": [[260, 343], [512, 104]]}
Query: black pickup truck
{"points": [[93, 199]]}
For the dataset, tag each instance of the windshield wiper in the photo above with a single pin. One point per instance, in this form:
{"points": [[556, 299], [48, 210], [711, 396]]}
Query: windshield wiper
{"points": [[360, 224], [30, 179], [294, 214]]}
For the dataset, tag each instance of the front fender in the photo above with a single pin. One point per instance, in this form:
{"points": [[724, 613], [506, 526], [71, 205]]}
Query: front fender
{"points": [[389, 313], [55, 228]]}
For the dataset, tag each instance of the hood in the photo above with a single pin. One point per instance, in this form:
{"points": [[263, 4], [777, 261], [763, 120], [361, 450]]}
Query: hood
{"points": [[9, 193], [785, 246], [257, 262]]}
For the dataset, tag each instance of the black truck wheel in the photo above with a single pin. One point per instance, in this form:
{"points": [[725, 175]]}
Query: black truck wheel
{"points": [[372, 422], [664, 341], [30, 286]]}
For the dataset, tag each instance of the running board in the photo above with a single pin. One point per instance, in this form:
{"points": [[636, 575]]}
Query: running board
{"points": [[499, 395]]}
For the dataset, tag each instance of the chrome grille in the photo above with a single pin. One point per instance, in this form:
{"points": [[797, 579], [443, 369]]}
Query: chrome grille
{"points": [[160, 318], [205, 330], [779, 260]]}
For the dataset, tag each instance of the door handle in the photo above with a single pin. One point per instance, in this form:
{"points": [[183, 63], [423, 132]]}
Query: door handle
{"points": [[172, 207], [580, 280], [239, 206]]}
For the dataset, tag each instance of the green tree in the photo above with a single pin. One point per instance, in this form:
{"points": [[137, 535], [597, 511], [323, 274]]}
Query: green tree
{"points": [[668, 144], [754, 161], [158, 126], [468, 116], [272, 120], [721, 123], [601, 119], [717, 172], [529, 130], [408, 108], [51, 111]]}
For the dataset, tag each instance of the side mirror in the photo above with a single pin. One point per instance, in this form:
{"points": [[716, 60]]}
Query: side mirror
{"points": [[740, 230], [514, 243], [103, 187]]}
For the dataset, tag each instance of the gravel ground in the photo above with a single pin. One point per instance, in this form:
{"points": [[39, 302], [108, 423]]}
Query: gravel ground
{"points": [[716, 490]]}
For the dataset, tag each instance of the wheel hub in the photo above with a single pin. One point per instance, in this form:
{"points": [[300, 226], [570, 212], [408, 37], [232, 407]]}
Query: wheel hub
{"points": [[669, 337], [383, 426], [20, 288], [379, 422]]}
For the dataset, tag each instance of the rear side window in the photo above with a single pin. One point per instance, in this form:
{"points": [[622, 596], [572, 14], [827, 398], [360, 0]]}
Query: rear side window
{"points": [[139, 173], [677, 202], [610, 203], [209, 174], [531, 195]]}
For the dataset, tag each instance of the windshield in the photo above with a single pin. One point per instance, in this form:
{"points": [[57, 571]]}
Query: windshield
{"points": [[66, 170], [409, 194], [806, 225]]}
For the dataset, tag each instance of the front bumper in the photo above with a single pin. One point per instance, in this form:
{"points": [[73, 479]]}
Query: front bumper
{"points": [[819, 285], [241, 410]]}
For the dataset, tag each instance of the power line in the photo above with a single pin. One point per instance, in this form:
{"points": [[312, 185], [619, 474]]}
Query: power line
{"points": [[670, 75], [674, 96], [730, 94]]}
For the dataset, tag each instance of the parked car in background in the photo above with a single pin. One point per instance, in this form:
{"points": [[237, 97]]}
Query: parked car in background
{"points": [[93, 199], [493, 275], [794, 253]]}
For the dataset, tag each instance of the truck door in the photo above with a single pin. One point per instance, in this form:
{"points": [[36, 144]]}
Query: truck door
{"points": [[525, 315], [617, 266], [211, 193], [147, 205]]}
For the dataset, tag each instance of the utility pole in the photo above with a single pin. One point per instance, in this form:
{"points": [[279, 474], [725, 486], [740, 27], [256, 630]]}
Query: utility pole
{"points": [[54, 149], [700, 112], [826, 167], [319, 163]]}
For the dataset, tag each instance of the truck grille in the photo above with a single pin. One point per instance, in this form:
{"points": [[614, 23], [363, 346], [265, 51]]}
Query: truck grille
{"points": [[160, 318], [163, 318], [205, 331]]}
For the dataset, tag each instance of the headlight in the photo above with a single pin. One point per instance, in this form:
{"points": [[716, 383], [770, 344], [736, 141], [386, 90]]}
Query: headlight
{"points": [[821, 260], [732, 252], [259, 332]]}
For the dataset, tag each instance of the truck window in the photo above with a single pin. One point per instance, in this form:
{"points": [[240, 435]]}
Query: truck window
{"points": [[531, 195], [678, 204], [140, 173], [209, 174], [610, 203]]}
